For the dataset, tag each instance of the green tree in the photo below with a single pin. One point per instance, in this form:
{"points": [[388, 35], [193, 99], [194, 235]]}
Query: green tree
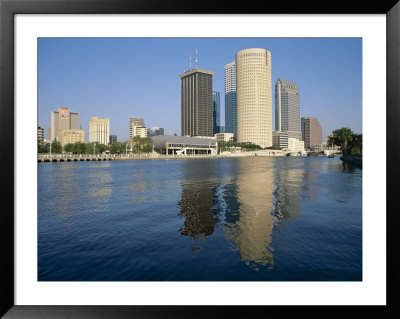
{"points": [[69, 148], [117, 148], [56, 148], [342, 137]]}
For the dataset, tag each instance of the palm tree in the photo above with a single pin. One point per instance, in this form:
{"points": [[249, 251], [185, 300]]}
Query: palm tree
{"points": [[342, 137]]}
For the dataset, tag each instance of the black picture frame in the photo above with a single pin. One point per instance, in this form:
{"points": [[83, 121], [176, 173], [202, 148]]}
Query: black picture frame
{"points": [[8, 8]]}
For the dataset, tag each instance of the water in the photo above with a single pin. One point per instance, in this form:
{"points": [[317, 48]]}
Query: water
{"points": [[219, 219]]}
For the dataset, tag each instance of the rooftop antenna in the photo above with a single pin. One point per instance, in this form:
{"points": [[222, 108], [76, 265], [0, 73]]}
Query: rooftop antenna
{"points": [[196, 59]]}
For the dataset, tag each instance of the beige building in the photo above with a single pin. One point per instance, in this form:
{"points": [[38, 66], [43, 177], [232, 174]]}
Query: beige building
{"points": [[140, 131], [311, 131], [70, 137], [135, 121], [61, 120], [99, 130], [197, 103], [254, 97], [224, 137]]}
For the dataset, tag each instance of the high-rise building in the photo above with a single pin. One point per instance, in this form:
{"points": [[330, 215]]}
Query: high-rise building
{"points": [[287, 108], [61, 120], [70, 136], [40, 135], [254, 98], [311, 131], [230, 98], [113, 139], [99, 130], [196, 103], [134, 121], [216, 113]]}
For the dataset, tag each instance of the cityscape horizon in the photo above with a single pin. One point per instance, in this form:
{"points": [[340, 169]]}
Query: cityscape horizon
{"points": [[347, 79]]}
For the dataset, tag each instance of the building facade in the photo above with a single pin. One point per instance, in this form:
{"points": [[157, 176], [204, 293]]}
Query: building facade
{"points": [[71, 136], [280, 139], [230, 98], [287, 108], [311, 131], [135, 121], [113, 139], [254, 99], [216, 113], [295, 145], [62, 119], [99, 130], [140, 131], [154, 131], [196, 103], [40, 135], [224, 137]]}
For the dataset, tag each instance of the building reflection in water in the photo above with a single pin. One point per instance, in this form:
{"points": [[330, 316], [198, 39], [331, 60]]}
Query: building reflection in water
{"points": [[288, 180], [252, 227], [197, 199]]}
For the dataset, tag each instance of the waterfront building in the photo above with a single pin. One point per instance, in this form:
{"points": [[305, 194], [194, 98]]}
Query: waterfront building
{"points": [[113, 139], [230, 98], [254, 98], [287, 108], [216, 113], [311, 131], [140, 131], [62, 119], [184, 145], [99, 130], [295, 145], [154, 131], [224, 137], [280, 139], [71, 136], [40, 135], [134, 121], [196, 103]]}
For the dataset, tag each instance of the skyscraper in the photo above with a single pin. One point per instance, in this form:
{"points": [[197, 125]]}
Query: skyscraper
{"points": [[62, 120], [134, 121], [216, 113], [230, 98], [254, 97], [287, 108], [99, 130], [196, 103], [311, 131]]}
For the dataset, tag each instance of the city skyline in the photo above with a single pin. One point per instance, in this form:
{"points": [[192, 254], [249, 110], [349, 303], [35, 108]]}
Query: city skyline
{"points": [[123, 78]]}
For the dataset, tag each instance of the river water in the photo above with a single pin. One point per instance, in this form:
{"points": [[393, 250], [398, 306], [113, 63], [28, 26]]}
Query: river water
{"points": [[212, 219]]}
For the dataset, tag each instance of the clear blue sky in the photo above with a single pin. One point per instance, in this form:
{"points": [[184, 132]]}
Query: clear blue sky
{"points": [[121, 78]]}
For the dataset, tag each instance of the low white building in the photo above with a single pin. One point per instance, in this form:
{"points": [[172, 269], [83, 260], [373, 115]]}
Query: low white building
{"points": [[295, 145], [224, 137]]}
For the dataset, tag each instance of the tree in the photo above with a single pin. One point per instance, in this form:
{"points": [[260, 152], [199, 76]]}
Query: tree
{"points": [[341, 137], [117, 148], [349, 142], [56, 147], [69, 148]]}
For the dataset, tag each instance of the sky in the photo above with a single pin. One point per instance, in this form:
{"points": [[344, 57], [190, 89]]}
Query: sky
{"points": [[119, 78]]}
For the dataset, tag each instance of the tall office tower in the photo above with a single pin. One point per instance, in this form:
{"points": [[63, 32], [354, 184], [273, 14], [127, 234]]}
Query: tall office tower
{"points": [[40, 135], [134, 121], [254, 98], [311, 131], [216, 113], [196, 103], [99, 130], [287, 108], [62, 120], [230, 98]]}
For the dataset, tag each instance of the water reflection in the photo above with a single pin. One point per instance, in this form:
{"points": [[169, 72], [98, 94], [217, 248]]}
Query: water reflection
{"points": [[288, 179], [251, 229], [197, 199]]}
